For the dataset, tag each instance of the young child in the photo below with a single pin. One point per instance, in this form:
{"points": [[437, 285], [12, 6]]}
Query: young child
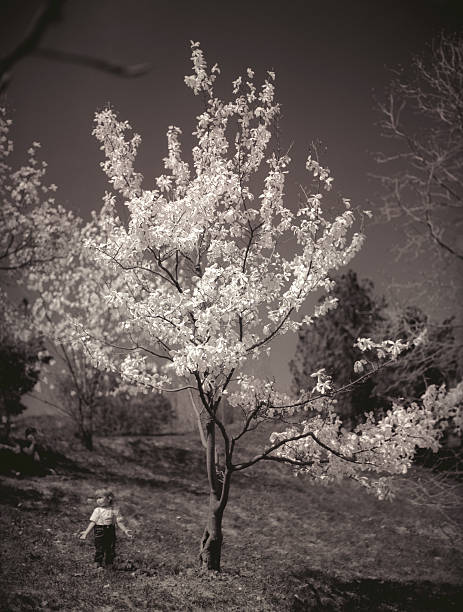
{"points": [[103, 522]]}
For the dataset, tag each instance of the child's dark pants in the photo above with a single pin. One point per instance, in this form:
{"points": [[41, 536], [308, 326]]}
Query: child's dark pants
{"points": [[105, 543]]}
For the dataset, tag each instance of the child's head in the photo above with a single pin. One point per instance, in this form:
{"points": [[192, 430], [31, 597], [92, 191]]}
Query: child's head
{"points": [[104, 497], [30, 431]]}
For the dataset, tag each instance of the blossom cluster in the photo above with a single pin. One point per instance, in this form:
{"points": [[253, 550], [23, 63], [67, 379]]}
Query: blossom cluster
{"points": [[381, 446], [70, 291], [33, 228]]}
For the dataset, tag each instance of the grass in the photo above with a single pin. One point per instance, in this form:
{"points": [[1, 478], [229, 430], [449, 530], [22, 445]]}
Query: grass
{"points": [[290, 545]]}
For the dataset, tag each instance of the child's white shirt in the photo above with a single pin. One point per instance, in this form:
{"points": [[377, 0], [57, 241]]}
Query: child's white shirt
{"points": [[105, 516]]}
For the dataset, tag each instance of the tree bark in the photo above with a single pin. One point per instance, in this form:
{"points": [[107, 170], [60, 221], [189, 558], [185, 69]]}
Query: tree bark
{"points": [[211, 543], [87, 439]]}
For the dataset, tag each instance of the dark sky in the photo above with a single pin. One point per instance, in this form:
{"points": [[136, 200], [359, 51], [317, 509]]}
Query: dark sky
{"points": [[330, 58]]}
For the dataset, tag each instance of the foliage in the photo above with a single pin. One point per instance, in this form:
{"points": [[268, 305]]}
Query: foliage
{"points": [[330, 343], [20, 365], [203, 278], [385, 445], [22, 357]]}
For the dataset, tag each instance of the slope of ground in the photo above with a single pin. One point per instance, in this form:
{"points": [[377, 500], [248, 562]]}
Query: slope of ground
{"points": [[290, 545]]}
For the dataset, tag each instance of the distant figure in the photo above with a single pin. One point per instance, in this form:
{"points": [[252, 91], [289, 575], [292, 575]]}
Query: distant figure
{"points": [[30, 459], [103, 521], [30, 447], [25, 457]]}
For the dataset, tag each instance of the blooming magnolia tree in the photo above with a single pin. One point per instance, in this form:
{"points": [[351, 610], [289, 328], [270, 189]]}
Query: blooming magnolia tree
{"points": [[201, 281], [34, 234]]}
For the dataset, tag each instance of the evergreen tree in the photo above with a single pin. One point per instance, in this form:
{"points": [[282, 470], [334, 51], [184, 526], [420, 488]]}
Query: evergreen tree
{"points": [[329, 343], [20, 363]]}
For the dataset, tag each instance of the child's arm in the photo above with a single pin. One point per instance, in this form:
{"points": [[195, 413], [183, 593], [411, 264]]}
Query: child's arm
{"points": [[85, 533], [128, 532]]}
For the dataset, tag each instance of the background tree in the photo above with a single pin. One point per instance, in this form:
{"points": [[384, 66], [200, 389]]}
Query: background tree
{"points": [[329, 342], [33, 228], [437, 360], [421, 173], [41, 247], [141, 415], [34, 231], [202, 284], [78, 390], [71, 287], [96, 407]]}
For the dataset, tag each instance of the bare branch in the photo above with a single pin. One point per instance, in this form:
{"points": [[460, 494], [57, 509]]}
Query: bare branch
{"points": [[50, 12], [123, 70]]}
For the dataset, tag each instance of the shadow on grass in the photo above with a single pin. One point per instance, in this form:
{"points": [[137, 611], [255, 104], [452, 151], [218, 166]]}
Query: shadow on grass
{"points": [[319, 592], [171, 484], [171, 467], [20, 464], [11, 495], [166, 457], [36, 497]]}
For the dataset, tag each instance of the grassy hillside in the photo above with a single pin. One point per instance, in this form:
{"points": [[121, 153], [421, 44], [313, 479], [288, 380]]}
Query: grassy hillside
{"points": [[289, 544]]}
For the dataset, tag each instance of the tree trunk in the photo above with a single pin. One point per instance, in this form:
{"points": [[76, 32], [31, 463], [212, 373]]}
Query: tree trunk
{"points": [[211, 543], [87, 439]]}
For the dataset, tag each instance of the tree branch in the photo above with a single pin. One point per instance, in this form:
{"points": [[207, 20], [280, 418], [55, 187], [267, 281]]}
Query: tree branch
{"points": [[123, 70]]}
